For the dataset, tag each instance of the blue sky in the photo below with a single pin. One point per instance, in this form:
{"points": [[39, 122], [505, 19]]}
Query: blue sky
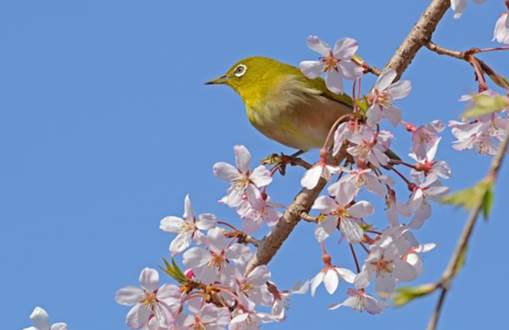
{"points": [[105, 126]]}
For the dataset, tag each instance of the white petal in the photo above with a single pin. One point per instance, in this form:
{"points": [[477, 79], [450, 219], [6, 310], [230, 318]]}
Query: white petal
{"points": [[188, 209], [138, 316], [206, 221], [311, 69], [315, 282], [149, 279], [374, 115], [403, 271], [362, 279], [242, 158], [324, 204], [385, 79], [351, 230], [334, 81], [458, 6], [318, 45], [361, 209], [311, 177], [400, 89], [385, 286], [171, 224], [331, 281], [260, 176], [216, 240], [40, 318], [325, 228], [345, 48], [128, 296], [59, 326], [225, 171], [346, 274], [393, 115], [195, 257], [346, 192], [350, 70], [180, 243]]}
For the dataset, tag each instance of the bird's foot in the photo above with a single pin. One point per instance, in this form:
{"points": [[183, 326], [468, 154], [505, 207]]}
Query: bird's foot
{"points": [[282, 160]]}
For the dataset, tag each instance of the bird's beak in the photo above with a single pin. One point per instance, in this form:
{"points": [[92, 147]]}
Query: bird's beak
{"points": [[218, 81]]}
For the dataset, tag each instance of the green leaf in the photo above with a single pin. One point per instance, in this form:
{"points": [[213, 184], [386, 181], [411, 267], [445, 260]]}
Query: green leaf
{"points": [[471, 197], [406, 294], [487, 202], [174, 271], [485, 104]]}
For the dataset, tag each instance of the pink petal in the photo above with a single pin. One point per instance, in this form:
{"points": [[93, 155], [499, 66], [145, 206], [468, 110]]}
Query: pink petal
{"points": [[261, 176], [361, 209], [225, 171], [334, 82], [311, 177], [345, 48], [331, 281], [325, 228], [40, 318], [242, 158], [138, 316], [318, 45], [216, 240], [149, 279], [311, 69], [128, 296]]}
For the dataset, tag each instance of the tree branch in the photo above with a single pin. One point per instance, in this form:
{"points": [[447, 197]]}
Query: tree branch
{"points": [[451, 270], [419, 35]]}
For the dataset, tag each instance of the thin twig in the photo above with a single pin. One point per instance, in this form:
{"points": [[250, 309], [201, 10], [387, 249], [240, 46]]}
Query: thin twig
{"points": [[451, 269], [309, 218]]}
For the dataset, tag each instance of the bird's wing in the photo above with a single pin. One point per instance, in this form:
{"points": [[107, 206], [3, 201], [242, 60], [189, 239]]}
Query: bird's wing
{"points": [[319, 85]]}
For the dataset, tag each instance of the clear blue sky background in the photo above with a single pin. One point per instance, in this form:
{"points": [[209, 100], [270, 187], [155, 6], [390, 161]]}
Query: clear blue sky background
{"points": [[105, 126]]}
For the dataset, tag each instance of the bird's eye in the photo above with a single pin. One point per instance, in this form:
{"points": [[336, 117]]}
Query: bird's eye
{"points": [[240, 70]]}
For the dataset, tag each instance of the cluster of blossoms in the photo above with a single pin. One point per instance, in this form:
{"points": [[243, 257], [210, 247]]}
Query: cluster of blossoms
{"points": [[215, 290], [41, 321], [393, 252], [218, 289], [484, 133]]}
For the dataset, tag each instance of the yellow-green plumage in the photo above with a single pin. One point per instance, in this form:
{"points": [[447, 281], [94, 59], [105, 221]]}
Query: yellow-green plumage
{"points": [[283, 104]]}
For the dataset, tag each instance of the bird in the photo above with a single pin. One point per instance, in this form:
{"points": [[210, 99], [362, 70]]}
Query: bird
{"points": [[283, 104]]}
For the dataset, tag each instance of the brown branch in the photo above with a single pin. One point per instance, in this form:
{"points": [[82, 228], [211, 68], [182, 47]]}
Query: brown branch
{"points": [[309, 218], [451, 270], [419, 35]]}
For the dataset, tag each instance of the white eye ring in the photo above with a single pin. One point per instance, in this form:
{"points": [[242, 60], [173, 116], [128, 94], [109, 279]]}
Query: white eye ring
{"points": [[240, 70]]}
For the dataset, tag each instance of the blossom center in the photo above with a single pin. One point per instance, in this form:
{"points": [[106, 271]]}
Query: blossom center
{"points": [[149, 299], [331, 63]]}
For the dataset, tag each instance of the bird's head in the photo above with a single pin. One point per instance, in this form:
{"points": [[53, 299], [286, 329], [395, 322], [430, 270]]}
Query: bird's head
{"points": [[254, 77]]}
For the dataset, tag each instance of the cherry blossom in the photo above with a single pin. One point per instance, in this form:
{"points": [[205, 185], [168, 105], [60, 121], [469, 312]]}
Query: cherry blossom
{"points": [[501, 33], [214, 264], [361, 301], [370, 146], [336, 63], [151, 301], [282, 298], [386, 263], [254, 216], [319, 170], [424, 137], [330, 276], [242, 180], [459, 6], [252, 289], [395, 208], [340, 211], [422, 191], [207, 317], [188, 228], [360, 178], [427, 165], [41, 321], [381, 96], [413, 258], [244, 319]]}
